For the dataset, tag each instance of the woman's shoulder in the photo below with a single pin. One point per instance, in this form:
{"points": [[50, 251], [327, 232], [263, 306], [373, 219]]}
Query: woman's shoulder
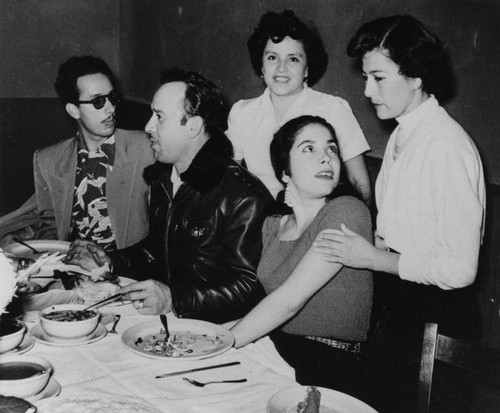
{"points": [[328, 101], [243, 105], [348, 210], [347, 203]]}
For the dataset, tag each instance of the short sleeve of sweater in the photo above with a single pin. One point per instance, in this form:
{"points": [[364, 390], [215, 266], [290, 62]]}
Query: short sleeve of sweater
{"points": [[345, 210]]}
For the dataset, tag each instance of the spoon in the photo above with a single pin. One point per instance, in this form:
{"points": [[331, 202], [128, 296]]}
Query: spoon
{"points": [[20, 241], [200, 384], [163, 319]]}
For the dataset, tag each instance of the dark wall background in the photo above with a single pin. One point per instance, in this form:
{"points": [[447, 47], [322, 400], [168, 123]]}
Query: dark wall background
{"points": [[140, 37], [210, 36]]}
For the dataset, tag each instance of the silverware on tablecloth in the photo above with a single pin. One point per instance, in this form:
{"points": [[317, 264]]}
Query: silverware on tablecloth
{"points": [[105, 301], [163, 319], [216, 366], [115, 322], [20, 241], [200, 384]]}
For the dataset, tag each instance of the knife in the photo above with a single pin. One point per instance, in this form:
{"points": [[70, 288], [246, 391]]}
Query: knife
{"points": [[216, 366]]}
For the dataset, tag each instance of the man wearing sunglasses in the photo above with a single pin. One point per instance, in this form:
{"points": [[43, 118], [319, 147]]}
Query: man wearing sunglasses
{"points": [[93, 181]]}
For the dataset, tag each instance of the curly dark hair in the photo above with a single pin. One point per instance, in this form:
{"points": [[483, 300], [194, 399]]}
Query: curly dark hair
{"points": [[276, 26], [282, 144], [412, 46], [75, 67], [202, 99]]}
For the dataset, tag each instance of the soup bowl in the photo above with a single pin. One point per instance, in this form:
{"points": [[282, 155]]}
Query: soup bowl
{"points": [[11, 334], [23, 376], [68, 321]]}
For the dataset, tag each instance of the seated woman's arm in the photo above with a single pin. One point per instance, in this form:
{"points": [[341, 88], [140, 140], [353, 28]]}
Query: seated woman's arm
{"points": [[307, 278]]}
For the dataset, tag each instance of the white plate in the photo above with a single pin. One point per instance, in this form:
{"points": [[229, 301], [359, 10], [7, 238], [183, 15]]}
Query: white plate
{"points": [[92, 403], [42, 337], [332, 401], [26, 344], [176, 326], [53, 388], [41, 245]]}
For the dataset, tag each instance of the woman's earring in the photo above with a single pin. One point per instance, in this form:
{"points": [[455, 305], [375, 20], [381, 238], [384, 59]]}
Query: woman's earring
{"points": [[289, 198]]}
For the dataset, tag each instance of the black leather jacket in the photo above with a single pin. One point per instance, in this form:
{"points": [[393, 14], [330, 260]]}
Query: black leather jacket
{"points": [[204, 243]]}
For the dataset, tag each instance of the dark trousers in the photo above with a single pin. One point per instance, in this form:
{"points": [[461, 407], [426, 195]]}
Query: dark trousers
{"points": [[395, 375], [318, 364]]}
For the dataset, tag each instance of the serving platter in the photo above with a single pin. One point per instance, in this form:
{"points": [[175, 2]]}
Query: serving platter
{"points": [[332, 401], [203, 339], [41, 245]]}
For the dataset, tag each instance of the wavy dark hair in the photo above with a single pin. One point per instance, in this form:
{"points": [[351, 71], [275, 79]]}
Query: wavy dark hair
{"points": [[75, 67], [202, 98], [282, 144], [276, 26], [412, 46]]}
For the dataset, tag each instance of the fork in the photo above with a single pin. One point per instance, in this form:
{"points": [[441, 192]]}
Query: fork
{"points": [[115, 322], [200, 384]]}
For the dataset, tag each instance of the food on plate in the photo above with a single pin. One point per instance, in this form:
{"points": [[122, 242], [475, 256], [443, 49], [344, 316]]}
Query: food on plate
{"points": [[179, 344], [312, 401], [11, 404], [85, 286], [70, 315], [89, 404]]}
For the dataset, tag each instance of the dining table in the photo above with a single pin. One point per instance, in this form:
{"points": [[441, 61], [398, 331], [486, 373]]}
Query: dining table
{"points": [[108, 368]]}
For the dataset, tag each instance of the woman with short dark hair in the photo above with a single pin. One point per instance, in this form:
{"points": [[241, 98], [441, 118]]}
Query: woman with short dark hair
{"points": [[430, 196], [290, 57]]}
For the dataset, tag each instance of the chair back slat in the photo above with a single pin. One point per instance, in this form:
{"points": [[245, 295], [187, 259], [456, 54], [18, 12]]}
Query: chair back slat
{"points": [[481, 362], [427, 367]]}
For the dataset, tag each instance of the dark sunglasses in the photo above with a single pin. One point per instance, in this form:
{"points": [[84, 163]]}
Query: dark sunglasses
{"points": [[100, 101]]}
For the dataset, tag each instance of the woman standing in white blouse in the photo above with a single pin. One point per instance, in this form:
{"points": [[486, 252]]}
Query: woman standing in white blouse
{"points": [[289, 56], [430, 193]]}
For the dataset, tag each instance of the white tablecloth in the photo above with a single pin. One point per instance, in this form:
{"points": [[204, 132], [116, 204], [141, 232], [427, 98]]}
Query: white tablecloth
{"points": [[107, 367]]}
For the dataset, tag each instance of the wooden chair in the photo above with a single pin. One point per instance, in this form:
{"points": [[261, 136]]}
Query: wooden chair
{"points": [[482, 362]]}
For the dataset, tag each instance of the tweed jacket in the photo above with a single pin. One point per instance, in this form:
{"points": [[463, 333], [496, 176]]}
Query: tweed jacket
{"points": [[126, 190]]}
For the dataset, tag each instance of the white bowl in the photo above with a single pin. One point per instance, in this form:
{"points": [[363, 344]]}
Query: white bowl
{"points": [[13, 338], [68, 329], [34, 383]]}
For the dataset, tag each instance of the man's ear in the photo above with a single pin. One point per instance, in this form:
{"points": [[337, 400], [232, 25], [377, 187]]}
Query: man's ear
{"points": [[72, 110], [195, 125], [285, 178]]}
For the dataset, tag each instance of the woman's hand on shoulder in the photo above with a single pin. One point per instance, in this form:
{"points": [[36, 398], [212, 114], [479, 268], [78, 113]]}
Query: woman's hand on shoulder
{"points": [[344, 247]]}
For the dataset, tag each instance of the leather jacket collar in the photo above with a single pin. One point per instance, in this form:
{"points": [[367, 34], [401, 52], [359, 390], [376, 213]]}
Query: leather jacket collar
{"points": [[206, 169]]}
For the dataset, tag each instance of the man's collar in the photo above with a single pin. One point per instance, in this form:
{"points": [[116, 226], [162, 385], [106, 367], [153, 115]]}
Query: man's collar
{"points": [[206, 169]]}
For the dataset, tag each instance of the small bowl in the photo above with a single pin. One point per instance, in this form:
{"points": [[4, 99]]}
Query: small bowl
{"points": [[23, 376], [68, 329], [11, 334]]}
